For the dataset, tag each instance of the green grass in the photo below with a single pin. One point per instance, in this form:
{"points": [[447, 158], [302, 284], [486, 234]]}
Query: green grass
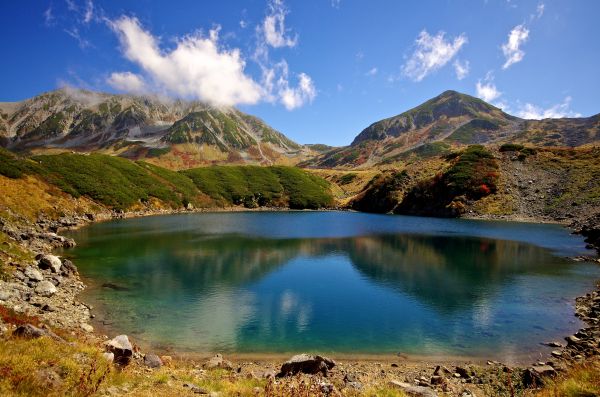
{"points": [[121, 184], [466, 133]]}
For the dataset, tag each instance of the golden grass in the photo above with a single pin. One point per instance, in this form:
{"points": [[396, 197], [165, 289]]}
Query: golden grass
{"points": [[580, 381]]}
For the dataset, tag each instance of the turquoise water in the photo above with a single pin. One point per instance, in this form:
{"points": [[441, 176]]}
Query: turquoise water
{"points": [[266, 282]]}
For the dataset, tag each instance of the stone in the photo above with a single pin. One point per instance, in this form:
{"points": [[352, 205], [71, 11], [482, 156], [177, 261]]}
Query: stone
{"points": [[553, 344], [572, 340], [166, 360], [217, 361], [326, 388], [45, 288], [195, 388], [121, 348], [48, 379], [307, 364], [416, 391], [5, 295], [152, 361], [441, 371], [268, 374], [87, 328], [534, 376], [110, 357], [556, 353], [437, 380], [68, 268], [30, 331], [33, 274], [51, 262]]}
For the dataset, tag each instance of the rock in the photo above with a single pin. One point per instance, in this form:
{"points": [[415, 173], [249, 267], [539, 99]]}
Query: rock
{"points": [[51, 262], [553, 344], [195, 388], [326, 388], [437, 380], [410, 390], [307, 364], [152, 361], [31, 332], [534, 376], [121, 348], [166, 360], [572, 340], [268, 374], [33, 274], [441, 371], [557, 353], [48, 379], [45, 288], [87, 328], [463, 372], [5, 295], [217, 361], [68, 268], [110, 357]]}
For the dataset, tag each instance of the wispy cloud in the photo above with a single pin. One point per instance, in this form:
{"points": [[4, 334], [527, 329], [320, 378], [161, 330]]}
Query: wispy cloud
{"points": [[48, 16], [273, 26], [512, 48], [431, 53], [372, 72], [530, 111], [486, 89], [74, 33], [461, 68], [88, 13], [336, 3]]}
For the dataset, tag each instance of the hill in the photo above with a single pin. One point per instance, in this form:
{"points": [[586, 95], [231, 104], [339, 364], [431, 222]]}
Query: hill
{"points": [[451, 120], [183, 133]]}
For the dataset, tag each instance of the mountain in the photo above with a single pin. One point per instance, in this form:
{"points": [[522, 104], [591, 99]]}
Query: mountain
{"points": [[453, 119], [135, 127]]}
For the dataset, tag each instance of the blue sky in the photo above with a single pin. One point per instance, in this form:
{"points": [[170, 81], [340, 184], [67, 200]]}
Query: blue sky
{"points": [[319, 70]]}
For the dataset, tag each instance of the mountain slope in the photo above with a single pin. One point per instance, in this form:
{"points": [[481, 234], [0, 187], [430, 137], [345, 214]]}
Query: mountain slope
{"points": [[453, 119], [139, 127]]}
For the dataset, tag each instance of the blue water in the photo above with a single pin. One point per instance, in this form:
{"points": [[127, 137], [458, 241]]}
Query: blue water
{"points": [[340, 282]]}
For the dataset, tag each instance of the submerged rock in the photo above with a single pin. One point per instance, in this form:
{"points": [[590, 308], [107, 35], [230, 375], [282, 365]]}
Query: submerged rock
{"points": [[307, 364], [121, 348]]}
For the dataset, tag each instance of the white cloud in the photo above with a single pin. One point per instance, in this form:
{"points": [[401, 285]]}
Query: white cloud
{"points": [[48, 17], [197, 67], [487, 90], [74, 33], [372, 72], [539, 11], [127, 82], [530, 111], [461, 69], [336, 3], [273, 26], [243, 24], [278, 89], [431, 53], [512, 48], [88, 15]]}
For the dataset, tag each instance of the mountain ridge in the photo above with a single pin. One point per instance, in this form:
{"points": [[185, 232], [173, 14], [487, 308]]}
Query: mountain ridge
{"points": [[131, 125], [453, 119]]}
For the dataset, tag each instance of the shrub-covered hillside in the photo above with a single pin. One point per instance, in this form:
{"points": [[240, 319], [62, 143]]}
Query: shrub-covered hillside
{"points": [[123, 184]]}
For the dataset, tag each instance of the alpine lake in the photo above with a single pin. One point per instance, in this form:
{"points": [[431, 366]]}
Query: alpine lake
{"points": [[333, 282]]}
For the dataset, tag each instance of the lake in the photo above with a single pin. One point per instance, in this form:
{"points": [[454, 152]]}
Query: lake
{"points": [[333, 282]]}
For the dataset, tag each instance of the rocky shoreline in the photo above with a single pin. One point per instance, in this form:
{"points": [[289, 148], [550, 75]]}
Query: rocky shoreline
{"points": [[48, 287]]}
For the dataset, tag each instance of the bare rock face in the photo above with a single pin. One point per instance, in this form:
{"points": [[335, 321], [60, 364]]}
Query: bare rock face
{"points": [[307, 364], [121, 348], [51, 262], [45, 288]]}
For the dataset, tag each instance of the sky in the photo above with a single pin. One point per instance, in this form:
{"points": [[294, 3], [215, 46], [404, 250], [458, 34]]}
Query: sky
{"points": [[319, 71]]}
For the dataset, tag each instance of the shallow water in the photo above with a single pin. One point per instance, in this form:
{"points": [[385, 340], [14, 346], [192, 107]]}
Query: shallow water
{"points": [[265, 282]]}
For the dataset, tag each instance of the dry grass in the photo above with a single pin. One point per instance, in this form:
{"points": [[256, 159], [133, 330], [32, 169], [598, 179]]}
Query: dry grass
{"points": [[580, 381]]}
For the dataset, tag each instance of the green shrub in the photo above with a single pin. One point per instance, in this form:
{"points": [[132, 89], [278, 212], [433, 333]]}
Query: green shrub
{"points": [[511, 147]]}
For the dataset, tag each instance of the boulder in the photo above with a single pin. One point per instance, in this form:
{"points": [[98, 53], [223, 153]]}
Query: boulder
{"points": [[110, 357], [68, 268], [51, 262], [33, 274], [30, 331], [152, 361], [45, 288], [306, 364], [166, 360], [217, 361], [121, 348], [87, 328], [410, 390], [535, 375], [195, 388]]}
